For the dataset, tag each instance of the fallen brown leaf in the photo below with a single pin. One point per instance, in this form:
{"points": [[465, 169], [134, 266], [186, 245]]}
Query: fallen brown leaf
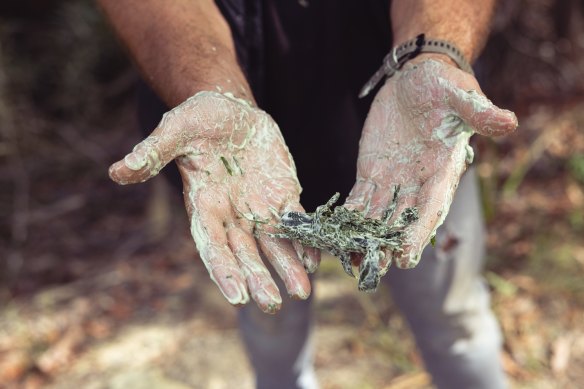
{"points": [[60, 354], [13, 365], [560, 356], [416, 380]]}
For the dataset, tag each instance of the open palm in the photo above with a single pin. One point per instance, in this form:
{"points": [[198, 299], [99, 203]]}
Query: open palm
{"points": [[237, 175], [417, 136]]}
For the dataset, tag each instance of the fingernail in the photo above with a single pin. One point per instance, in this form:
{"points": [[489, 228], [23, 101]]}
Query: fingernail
{"points": [[113, 173], [299, 293], [269, 302], [136, 160], [234, 292], [275, 298], [309, 264]]}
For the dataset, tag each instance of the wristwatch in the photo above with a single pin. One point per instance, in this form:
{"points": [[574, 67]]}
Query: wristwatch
{"points": [[399, 55]]}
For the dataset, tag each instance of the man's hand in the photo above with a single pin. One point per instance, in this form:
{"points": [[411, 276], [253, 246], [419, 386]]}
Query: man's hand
{"points": [[417, 136], [237, 172], [238, 176]]}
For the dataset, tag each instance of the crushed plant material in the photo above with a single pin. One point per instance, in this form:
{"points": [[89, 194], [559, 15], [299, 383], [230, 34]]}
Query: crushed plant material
{"points": [[342, 231]]}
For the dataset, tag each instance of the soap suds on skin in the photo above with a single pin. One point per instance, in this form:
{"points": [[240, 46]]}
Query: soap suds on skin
{"points": [[232, 157], [417, 135]]}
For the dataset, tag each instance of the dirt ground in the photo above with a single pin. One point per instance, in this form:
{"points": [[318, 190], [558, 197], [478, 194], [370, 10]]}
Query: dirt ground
{"points": [[100, 285], [152, 319]]}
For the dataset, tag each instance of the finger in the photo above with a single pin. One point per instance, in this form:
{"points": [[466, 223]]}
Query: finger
{"points": [[480, 113], [149, 156], [381, 201], [309, 256], [360, 195], [360, 199], [262, 287], [433, 204], [211, 241], [407, 198], [283, 258]]}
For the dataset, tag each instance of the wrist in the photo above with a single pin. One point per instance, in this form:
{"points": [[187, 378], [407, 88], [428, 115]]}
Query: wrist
{"points": [[443, 51], [216, 70], [462, 22], [237, 88], [464, 44]]}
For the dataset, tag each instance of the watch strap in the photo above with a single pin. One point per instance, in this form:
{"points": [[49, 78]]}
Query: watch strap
{"points": [[399, 55]]}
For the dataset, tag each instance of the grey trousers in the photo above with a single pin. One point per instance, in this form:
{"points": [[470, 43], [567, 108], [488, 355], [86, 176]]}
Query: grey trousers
{"points": [[444, 301]]}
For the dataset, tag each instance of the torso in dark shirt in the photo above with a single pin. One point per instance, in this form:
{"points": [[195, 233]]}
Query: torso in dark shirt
{"points": [[306, 65]]}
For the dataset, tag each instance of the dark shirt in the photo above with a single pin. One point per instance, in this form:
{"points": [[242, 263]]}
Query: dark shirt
{"points": [[305, 65]]}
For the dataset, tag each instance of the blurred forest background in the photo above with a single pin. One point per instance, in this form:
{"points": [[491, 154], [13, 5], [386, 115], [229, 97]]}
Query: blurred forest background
{"points": [[99, 284]]}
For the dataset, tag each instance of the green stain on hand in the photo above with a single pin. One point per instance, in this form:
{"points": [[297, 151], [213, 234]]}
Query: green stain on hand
{"points": [[227, 167], [238, 166]]}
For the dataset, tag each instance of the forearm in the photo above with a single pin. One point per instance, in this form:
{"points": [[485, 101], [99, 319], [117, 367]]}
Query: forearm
{"points": [[462, 22], [180, 46]]}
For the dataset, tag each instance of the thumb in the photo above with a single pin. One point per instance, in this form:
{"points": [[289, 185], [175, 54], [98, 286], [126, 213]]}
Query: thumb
{"points": [[480, 113], [146, 159]]}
